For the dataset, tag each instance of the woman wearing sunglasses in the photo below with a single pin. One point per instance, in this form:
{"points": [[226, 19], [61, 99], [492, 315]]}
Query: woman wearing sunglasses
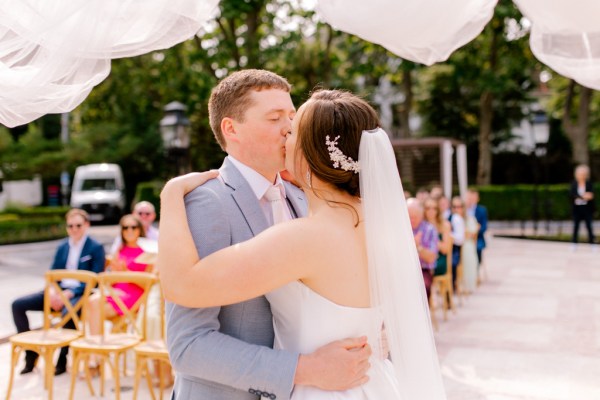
{"points": [[124, 260]]}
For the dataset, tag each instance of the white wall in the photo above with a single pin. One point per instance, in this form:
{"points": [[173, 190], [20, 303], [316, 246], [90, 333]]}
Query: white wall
{"points": [[23, 192]]}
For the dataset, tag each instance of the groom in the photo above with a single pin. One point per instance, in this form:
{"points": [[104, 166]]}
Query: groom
{"points": [[226, 352]]}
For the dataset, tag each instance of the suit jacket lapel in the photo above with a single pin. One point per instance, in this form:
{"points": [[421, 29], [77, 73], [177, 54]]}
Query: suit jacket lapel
{"points": [[244, 197], [85, 250]]}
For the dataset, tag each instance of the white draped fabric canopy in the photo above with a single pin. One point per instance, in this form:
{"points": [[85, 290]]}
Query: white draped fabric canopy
{"points": [[52, 53]]}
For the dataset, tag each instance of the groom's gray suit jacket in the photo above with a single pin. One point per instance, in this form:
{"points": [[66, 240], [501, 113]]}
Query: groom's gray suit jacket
{"points": [[225, 353]]}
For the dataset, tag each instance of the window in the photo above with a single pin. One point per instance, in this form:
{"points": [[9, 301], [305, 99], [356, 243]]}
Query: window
{"points": [[98, 184]]}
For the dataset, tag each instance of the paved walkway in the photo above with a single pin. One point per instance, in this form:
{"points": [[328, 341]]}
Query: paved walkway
{"points": [[530, 332]]}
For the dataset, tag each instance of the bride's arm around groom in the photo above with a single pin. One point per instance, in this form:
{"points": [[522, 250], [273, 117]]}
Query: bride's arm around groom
{"points": [[225, 352]]}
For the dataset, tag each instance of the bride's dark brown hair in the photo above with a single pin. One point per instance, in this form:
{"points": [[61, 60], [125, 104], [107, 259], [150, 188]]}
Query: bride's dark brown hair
{"points": [[334, 113]]}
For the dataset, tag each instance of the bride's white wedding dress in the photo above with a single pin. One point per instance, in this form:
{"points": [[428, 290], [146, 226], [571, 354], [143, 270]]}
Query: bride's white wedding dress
{"points": [[304, 321]]}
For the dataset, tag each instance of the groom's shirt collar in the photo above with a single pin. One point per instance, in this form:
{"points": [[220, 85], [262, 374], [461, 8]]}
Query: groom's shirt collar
{"points": [[258, 183]]}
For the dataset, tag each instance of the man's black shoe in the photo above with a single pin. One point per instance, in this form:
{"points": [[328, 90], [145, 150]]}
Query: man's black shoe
{"points": [[60, 369], [30, 359], [27, 369], [61, 365]]}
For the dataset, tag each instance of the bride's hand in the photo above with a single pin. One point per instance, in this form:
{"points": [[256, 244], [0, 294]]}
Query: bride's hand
{"points": [[186, 183]]}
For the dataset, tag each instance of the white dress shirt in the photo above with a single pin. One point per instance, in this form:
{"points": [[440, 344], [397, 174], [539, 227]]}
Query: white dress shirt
{"points": [[259, 185], [73, 261], [458, 229]]}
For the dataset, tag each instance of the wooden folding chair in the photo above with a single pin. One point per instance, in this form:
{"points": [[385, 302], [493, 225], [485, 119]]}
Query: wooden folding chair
{"points": [[106, 345], [443, 287], [150, 350], [53, 336]]}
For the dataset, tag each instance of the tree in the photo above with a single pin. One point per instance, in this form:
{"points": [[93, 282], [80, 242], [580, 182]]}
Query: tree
{"points": [[480, 92]]}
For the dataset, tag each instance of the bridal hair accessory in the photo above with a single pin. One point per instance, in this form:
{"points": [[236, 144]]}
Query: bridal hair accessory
{"points": [[340, 160]]}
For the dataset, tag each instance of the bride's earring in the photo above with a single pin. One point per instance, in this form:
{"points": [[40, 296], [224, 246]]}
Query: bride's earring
{"points": [[308, 178]]}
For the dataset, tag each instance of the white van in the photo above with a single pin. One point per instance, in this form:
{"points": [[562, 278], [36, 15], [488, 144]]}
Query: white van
{"points": [[99, 189]]}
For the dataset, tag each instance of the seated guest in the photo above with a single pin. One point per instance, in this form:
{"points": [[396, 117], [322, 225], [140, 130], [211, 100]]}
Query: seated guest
{"points": [[434, 217], [426, 239], [77, 252], [124, 260], [457, 222], [145, 212]]}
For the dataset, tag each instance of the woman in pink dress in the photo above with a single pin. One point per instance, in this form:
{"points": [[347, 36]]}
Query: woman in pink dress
{"points": [[131, 230]]}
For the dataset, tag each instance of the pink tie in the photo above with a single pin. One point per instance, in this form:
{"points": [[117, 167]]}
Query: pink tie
{"points": [[273, 195]]}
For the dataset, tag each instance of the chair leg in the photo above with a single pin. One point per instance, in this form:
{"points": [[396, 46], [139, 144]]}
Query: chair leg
{"points": [[161, 380], [15, 352], [48, 370], [432, 313], [116, 377], [74, 372], [102, 372], [138, 375], [444, 295], [149, 379], [88, 375]]}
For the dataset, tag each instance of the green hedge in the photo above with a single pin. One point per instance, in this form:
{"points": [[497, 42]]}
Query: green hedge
{"points": [[529, 202], [31, 230], [37, 212]]}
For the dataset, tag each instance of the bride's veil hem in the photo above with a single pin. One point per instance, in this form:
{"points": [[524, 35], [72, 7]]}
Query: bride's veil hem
{"points": [[396, 281]]}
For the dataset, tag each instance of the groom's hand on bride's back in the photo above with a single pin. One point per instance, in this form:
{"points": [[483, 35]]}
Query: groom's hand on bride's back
{"points": [[339, 365]]}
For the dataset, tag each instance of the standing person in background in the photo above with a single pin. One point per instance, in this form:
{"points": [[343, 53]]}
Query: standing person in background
{"points": [[442, 225], [436, 192], [582, 198], [481, 215], [426, 239], [444, 205], [458, 233], [468, 255], [78, 252]]}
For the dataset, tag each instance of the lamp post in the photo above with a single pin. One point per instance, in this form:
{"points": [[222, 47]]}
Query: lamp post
{"points": [[175, 132]]}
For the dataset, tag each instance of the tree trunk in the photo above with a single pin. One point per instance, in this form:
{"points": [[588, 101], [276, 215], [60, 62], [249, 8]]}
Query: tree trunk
{"points": [[486, 116], [406, 163], [578, 130], [252, 23], [405, 109]]}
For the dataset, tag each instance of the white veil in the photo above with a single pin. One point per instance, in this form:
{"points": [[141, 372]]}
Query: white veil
{"points": [[396, 280]]}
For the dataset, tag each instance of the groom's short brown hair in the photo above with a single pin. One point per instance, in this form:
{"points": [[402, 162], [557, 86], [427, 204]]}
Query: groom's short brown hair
{"points": [[231, 97]]}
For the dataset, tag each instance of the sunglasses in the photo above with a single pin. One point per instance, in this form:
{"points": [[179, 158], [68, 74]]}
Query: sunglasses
{"points": [[144, 213], [71, 226], [127, 227]]}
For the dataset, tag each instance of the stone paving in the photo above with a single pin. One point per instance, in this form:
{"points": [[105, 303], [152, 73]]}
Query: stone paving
{"points": [[531, 331]]}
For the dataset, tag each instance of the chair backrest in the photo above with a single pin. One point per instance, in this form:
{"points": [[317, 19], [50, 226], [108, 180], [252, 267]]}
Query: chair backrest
{"points": [[144, 280], [75, 312]]}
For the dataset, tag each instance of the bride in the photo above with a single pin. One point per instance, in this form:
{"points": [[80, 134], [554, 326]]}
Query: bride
{"points": [[348, 269]]}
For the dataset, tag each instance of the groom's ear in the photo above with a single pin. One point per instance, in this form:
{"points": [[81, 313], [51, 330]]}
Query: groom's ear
{"points": [[229, 130]]}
